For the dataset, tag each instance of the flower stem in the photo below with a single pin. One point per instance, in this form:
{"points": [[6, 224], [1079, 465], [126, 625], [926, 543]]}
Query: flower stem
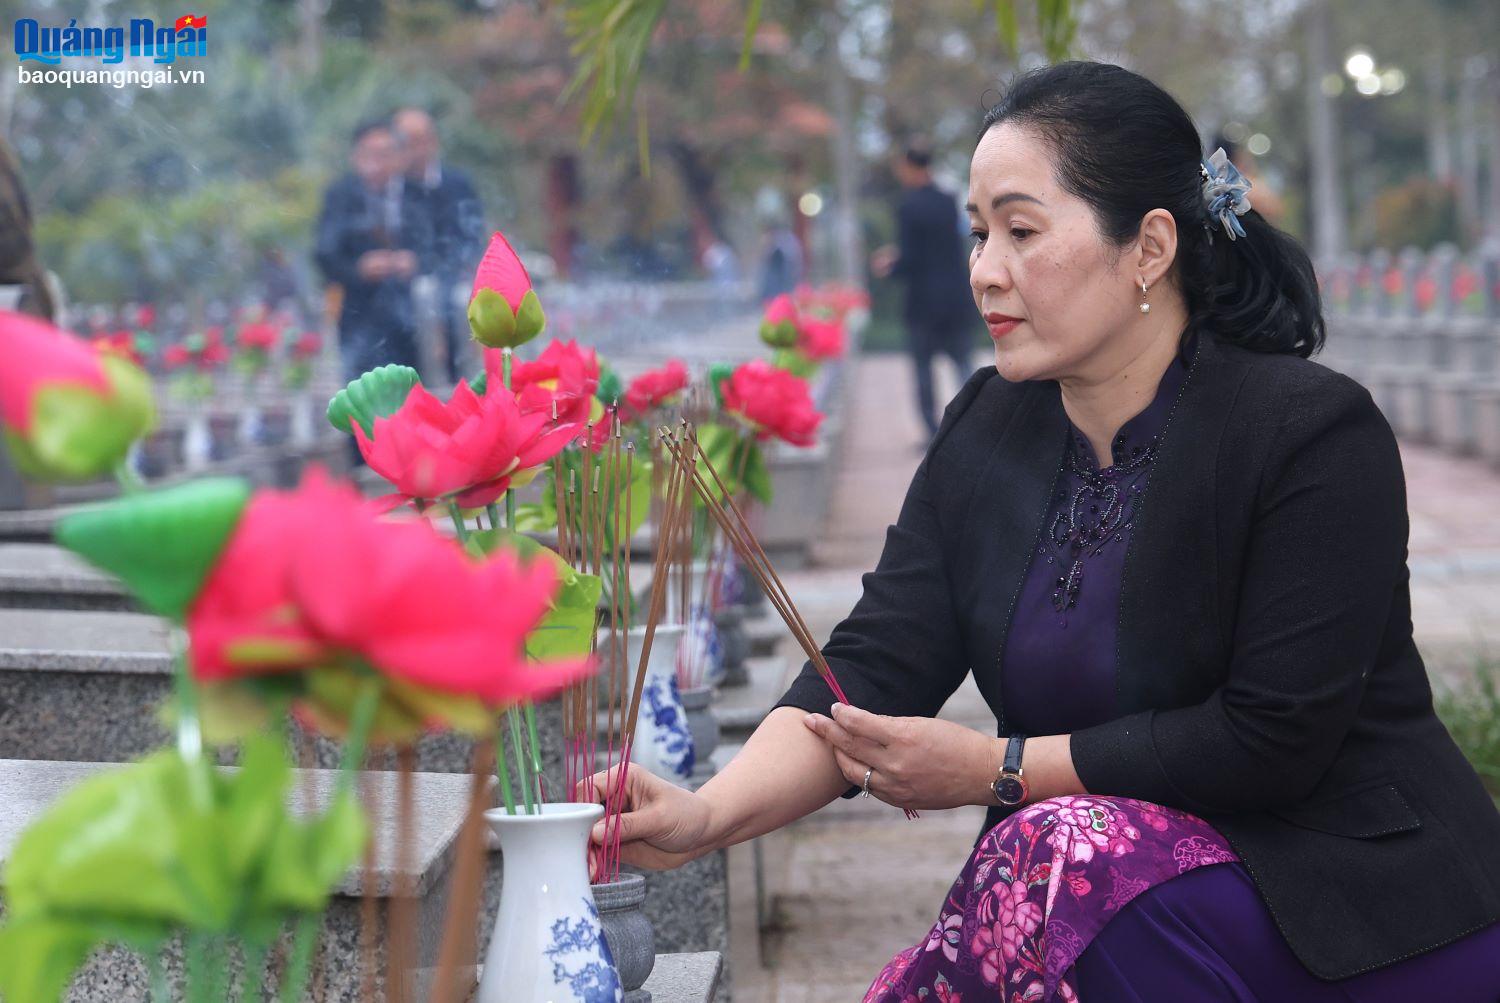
{"points": [[130, 482], [529, 710], [254, 971], [189, 732], [360, 721], [502, 769], [510, 498], [304, 939], [457, 515], [522, 760]]}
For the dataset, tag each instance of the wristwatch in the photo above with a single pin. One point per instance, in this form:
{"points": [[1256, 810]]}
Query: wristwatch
{"points": [[1009, 787]]}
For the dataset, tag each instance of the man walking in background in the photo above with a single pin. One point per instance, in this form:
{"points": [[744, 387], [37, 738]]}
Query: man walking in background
{"points": [[455, 216], [930, 259], [371, 242]]}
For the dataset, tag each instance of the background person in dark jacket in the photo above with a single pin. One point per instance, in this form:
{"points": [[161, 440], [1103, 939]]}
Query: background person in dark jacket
{"points": [[371, 242], [455, 216], [18, 263], [930, 259]]}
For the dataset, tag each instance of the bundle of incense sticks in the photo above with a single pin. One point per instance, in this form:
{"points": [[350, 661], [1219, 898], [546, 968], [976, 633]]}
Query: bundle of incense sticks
{"points": [[731, 520], [593, 536], [676, 510]]}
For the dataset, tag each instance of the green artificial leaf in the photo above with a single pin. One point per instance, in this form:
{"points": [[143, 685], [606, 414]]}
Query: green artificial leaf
{"points": [[717, 374], [130, 844], [161, 544], [304, 860], [757, 477], [568, 628], [737, 459], [377, 394], [536, 517], [794, 361], [541, 517], [611, 387]]}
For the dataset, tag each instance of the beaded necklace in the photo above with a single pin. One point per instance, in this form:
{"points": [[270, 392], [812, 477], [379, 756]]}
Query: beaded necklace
{"points": [[1081, 534]]}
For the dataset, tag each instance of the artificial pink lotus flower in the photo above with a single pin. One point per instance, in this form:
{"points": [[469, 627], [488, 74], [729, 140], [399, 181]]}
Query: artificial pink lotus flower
{"points": [[778, 326], [503, 308], [314, 577], [467, 450], [821, 339], [259, 336], [656, 387], [121, 343], [773, 402], [564, 376], [66, 410], [306, 345]]}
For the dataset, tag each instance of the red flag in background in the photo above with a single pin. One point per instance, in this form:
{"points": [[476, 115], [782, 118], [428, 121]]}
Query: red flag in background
{"points": [[191, 21]]}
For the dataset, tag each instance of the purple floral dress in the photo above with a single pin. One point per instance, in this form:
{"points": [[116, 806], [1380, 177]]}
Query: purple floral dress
{"points": [[1036, 890]]}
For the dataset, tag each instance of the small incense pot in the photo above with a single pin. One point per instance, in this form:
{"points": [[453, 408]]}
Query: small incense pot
{"points": [[704, 726], [628, 931]]}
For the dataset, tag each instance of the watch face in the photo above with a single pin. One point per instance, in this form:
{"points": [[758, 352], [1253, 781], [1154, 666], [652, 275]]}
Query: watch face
{"points": [[1009, 790]]}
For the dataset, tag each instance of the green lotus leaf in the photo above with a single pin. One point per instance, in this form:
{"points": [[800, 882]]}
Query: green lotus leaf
{"points": [[377, 394], [161, 544]]}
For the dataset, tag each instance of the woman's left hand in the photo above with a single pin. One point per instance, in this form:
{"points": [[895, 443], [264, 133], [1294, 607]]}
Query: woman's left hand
{"points": [[915, 762]]}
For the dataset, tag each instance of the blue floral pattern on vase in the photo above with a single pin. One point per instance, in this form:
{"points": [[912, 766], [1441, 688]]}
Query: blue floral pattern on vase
{"points": [[702, 650], [581, 960], [670, 737], [732, 584]]}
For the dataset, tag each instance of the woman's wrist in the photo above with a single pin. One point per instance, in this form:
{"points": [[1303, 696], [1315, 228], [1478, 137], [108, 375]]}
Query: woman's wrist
{"points": [[989, 769]]}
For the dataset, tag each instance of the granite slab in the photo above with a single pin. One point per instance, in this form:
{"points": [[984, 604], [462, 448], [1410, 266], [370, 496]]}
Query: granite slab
{"points": [[84, 641]]}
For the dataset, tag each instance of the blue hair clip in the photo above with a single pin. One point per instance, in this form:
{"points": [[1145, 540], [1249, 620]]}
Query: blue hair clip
{"points": [[1224, 193]]}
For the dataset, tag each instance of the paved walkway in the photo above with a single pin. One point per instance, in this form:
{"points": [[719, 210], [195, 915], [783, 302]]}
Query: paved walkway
{"points": [[850, 886]]}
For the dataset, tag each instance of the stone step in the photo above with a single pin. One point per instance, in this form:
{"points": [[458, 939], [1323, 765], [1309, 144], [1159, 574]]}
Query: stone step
{"points": [[43, 576], [765, 633], [675, 978]]}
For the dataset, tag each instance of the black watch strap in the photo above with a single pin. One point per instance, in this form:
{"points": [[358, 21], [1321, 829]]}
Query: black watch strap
{"points": [[1013, 749]]}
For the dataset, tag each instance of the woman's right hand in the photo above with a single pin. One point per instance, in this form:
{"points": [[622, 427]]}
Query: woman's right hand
{"points": [[660, 826]]}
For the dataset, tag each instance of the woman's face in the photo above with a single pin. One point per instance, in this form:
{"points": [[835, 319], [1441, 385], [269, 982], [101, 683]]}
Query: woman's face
{"points": [[1051, 289]]}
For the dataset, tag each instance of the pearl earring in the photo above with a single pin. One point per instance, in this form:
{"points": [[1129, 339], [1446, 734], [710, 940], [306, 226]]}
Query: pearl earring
{"points": [[1145, 307]]}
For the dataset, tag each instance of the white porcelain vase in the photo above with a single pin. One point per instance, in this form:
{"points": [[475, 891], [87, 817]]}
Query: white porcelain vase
{"points": [[548, 945], [303, 430], [701, 657], [197, 443], [663, 742]]}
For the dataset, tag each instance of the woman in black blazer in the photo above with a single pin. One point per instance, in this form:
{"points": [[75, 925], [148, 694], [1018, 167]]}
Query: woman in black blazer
{"points": [[1172, 551]]}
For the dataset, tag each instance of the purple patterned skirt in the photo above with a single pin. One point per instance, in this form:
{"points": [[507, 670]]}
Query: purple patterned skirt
{"points": [[1040, 887], [1036, 890]]}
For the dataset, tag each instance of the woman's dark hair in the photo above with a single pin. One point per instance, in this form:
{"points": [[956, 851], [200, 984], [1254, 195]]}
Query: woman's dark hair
{"points": [[1125, 146]]}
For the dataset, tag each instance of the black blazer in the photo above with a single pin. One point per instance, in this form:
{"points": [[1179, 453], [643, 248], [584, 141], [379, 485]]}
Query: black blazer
{"points": [[348, 226], [1266, 677]]}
